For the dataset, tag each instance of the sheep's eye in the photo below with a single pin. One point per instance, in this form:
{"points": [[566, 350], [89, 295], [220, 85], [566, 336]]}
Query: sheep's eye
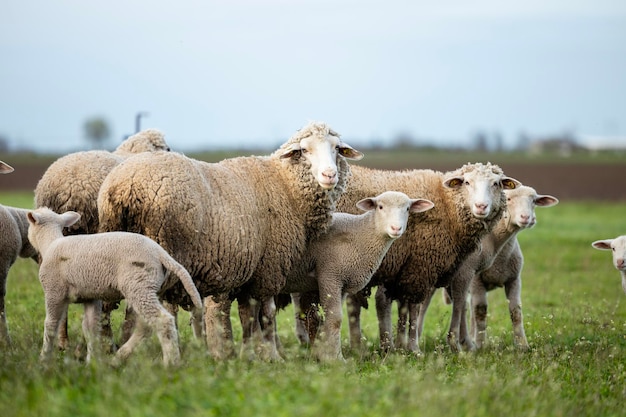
{"points": [[495, 184], [304, 150], [466, 182], [508, 199], [380, 207]]}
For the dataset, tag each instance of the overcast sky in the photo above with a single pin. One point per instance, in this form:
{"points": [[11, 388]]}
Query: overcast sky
{"points": [[237, 73]]}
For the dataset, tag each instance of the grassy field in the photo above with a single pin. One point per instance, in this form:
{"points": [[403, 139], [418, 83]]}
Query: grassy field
{"points": [[574, 313]]}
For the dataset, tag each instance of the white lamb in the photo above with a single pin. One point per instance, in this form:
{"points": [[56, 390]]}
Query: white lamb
{"points": [[109, 267], [344, 259], [618, 246], [497, 263]]}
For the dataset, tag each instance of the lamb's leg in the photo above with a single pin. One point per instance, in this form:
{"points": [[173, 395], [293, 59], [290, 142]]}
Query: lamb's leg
{"points": [[300, 317], [219, 331], [56, 312], [91, 328], [383, 312], [328, 347], [414, 334], [106, 331], [479, 312], [268, 327], [141, 330], [165, 327], [5, 339], [354, 320], [401, 332], [513, 291]]}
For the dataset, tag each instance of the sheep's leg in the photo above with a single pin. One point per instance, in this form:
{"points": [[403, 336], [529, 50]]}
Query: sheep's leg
{"points": [[91, 327], [479, 313], [165, 327], [5, 339], [328, 347], [300, 317], [513, 290], [106, 331], [354, 321], [219, 331], [401, 331], [269, 347], [130, 320], [383, 312], [413, 343], [466, 340], [249, 317], [55, 314], [141, 330]]}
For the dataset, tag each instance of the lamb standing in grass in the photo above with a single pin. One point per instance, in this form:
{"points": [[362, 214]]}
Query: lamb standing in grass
{"points": [[107, 266], [239, 226], [497, 263], [14, 243], [468, 204], [343, 259], [618, 246]]}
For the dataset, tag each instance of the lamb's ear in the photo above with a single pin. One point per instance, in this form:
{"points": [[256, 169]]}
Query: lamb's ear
{"points": [[509, 183], [546, 201], [5, 168], [454, 182], [69, 218], [291, 151], [32, 217], [349, 152], [367, 204], [419, 205], [602, 244]]}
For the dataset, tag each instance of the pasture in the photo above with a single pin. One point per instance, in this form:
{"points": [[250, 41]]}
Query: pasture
{"points": [[574, 314]]}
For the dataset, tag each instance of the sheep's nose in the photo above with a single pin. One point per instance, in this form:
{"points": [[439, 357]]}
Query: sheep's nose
{"points": [[481, 206], [395, 229], [620, 263], [524, 217], [330, 174]]}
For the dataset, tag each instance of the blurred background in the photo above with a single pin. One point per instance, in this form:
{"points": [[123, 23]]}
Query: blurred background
{"points": [[449, 77]]}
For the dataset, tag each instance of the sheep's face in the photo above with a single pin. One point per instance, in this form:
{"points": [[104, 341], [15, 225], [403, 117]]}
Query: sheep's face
{"points": [[521, 203], [482, 188], [322, 153], [392, 211], [618, 247]]}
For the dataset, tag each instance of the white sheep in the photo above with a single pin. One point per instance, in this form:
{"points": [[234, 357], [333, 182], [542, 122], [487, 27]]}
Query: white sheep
{"points": [[468, 204], [72, 182], [239, 226], [343, 260], [496, 263], [106, 266], [618, 247]]}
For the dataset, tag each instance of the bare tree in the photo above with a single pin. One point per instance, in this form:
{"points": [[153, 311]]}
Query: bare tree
{"points": [[96, 131]]}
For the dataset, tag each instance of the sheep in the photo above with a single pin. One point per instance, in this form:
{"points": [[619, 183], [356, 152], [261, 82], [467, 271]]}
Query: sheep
{"points": [[239, 226], [106, 266], [72, 182], [14, 243], [468, 203], [496, 263], [618, 246], [343, 259]]}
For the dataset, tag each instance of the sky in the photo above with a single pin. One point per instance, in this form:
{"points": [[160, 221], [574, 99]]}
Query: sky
{"points": [[249, 73]]}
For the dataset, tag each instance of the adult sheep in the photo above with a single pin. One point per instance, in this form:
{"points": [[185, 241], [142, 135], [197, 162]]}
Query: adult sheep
{"points": [[496, 263], [72, 182], [14, 244], [468, 204], [238, 226]]}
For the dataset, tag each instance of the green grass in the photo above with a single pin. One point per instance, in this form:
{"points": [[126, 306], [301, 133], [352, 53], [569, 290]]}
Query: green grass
{"points": [[574, 314]]}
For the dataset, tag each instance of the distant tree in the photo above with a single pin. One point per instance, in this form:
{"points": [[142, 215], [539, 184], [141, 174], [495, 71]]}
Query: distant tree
{"points": [[96, 131]]}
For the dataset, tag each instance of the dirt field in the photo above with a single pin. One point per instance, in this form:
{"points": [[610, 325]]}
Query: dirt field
{"points": [[565, 181]]}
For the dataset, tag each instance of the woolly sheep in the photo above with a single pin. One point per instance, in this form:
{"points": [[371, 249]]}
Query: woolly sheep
{"points": [[106, 266], [496, 263], [468, 204], [618, 246], [239, 226], [14, 243], [72, 182], [343, 259]]}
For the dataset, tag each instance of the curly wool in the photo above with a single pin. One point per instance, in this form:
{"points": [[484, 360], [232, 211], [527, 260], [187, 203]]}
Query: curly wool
{"points": [[242, 221]]}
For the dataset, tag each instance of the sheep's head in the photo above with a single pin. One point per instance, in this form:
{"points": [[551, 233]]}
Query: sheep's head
{"points": [[5, 168], [45, 224], [392, 211], [521, 203], [321, 148], [618, 247], [483, 185], [148, 140]]}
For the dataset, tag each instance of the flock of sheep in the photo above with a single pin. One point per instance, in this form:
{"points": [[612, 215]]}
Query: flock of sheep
{"points": [[164, 231]]}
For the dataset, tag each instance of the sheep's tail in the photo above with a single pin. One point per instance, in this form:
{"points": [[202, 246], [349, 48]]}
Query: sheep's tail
{"points": [[177, 269]]}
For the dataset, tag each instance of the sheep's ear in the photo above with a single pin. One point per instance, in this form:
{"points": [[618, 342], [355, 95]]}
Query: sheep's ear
{"points": [[546, 201], [349, 152], [367, 204], [602, 244], [509, 183], [419, 205], [69, 218], [454, 182], [291, 151], [32, 217], [5, 168]]}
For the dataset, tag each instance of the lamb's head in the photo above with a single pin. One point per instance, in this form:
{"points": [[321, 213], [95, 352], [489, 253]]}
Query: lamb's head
{"points": [[148, 140], [618, 247], [45, 225], [321, 148], [482, 186], [521, 203], [5, 168], [392, 209]]}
